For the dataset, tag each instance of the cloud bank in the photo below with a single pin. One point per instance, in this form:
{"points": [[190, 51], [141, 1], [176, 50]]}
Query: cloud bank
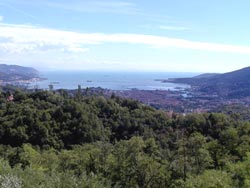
{"points": [[24, 38]]}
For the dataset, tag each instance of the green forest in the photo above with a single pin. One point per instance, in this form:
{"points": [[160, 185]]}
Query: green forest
{"points": [[59, 140]]}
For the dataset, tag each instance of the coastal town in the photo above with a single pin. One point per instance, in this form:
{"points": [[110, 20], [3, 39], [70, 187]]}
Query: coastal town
{"points": [[178, 101], [182, 101]]}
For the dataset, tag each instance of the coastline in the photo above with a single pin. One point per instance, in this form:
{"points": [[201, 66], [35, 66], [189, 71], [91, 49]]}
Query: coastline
{"points": [[28, 81]]}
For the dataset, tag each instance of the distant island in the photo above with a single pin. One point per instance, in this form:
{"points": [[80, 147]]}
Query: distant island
{"points": [[18, 74]]}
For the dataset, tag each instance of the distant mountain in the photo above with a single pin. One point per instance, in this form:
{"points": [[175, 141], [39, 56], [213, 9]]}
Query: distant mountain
{"points": [[232, 84], [15, 73]]}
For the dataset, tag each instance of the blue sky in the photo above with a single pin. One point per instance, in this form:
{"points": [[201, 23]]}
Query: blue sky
{"points": [[122, 35]]}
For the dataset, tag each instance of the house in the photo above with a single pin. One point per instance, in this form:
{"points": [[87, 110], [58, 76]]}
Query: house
{"points": [[10, 98]]}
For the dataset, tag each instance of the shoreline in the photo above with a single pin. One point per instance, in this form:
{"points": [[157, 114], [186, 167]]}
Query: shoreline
{"points": [[32, 80]]}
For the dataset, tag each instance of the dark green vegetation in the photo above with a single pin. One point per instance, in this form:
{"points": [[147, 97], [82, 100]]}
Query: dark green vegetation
{"points": [[11, 73], [241, 111], [234, 84], [57, 141]]}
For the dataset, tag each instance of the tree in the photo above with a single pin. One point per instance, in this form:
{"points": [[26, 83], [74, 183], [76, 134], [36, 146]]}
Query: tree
{"points": [[210, 179]]}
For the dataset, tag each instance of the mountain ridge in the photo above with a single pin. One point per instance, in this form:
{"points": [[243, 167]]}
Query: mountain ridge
{"points": [[231, 84], [16, 73]]}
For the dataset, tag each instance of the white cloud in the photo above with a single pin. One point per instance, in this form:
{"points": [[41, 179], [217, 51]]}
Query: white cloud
{"points": [[22, 38], [29, 39], [173, 28]]}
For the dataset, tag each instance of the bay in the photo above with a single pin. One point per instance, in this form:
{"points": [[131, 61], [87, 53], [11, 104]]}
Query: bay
{"points": [[110, 80]]}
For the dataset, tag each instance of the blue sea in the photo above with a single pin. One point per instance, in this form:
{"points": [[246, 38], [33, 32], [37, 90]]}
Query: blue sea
{"points": [[110, 80]]}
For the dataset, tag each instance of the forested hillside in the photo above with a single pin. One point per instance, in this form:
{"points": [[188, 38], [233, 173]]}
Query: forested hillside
{"points": [[56, 140]]}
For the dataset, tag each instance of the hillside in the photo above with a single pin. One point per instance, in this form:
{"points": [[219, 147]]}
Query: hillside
{"points": [[234, 84], [15, 73], [92, 141]]}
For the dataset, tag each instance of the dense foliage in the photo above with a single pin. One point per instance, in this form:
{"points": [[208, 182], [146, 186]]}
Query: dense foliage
{"points": [[58, 140]]}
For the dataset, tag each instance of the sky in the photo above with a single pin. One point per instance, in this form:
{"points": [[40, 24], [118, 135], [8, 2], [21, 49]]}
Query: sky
{"points": [[126, 35]]}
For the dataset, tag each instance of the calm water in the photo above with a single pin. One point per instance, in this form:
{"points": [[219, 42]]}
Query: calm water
{"points": [[110, 80]]}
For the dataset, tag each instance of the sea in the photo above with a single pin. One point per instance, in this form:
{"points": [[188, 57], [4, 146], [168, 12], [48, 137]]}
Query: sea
{"points": [[110, 80]]}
